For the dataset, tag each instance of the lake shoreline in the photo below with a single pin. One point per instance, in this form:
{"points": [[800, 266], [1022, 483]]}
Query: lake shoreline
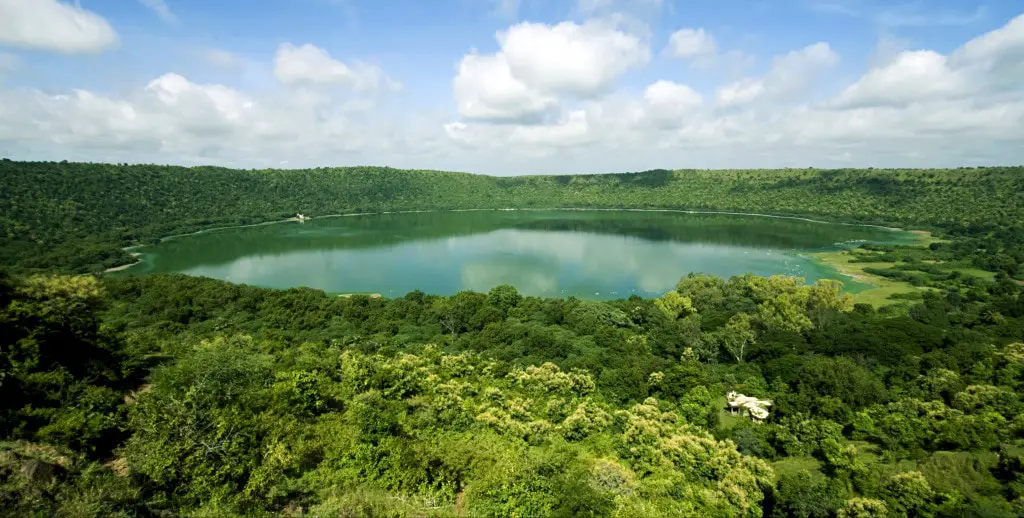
{"points": [[805, 236], [879, 285], [922, 237], [882, 288], [924, 233], [123, 267], [674, 211]]}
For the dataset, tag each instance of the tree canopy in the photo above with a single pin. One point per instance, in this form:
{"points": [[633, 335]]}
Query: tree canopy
{"points": [[76, 216], [171, 395]]}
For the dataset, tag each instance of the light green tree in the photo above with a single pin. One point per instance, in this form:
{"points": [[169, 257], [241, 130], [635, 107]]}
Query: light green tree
{"points": [[786, 312], [863, 508], [504, 297], [737, 336], [909, 494], [825, 299], [674, 305]]}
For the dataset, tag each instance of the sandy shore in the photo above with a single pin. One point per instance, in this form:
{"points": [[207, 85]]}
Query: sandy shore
{"points": [[125, 266]]}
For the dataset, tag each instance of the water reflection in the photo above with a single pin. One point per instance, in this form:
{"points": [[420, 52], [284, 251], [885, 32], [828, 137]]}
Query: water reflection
{"points": [[593, 255]]}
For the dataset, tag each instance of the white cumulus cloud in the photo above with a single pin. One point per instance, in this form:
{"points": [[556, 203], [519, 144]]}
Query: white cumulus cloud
{"points": [[572, 130], [570, 58], [175, 91], [312, 65], [667, 94], [486, 90], [700, 48], [740, 92], [1004, 42], [177, 120], [522, 109], [671, 103], [53, 26], [537, 64], [997, 55], [990, 63], [790, 74], [309, 63], [911, 76]]}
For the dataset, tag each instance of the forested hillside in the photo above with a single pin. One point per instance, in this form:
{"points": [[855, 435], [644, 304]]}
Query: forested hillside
{"points": [[92, 210], [169, 395], [172, 395]]}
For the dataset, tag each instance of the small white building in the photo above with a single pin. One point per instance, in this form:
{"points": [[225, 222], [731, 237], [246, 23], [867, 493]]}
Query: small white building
{"points": [[755, 409], [301, 217]]}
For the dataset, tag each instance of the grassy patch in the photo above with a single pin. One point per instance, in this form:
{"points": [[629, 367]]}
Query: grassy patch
{"points": [[867, 453], [794, 465], [975, 272], [965, 472], [883, 288], [925, 238], [885, 291]]}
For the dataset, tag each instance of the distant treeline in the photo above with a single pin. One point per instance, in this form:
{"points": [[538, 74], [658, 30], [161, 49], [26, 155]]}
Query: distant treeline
{"points": [[75, 217]]}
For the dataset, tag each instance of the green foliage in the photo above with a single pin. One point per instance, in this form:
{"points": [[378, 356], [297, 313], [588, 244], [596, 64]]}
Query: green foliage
{"points": [[736, 336], [59, 374], [804, 495], [174, 395], [390, 417], [90, 210], [263, 401], [863, 508], [199, 429], [674, 305], [41, 480], [504, 297], [909, 494]]}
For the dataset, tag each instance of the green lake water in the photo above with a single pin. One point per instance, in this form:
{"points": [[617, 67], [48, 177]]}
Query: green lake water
{"points": [[587, 254]]}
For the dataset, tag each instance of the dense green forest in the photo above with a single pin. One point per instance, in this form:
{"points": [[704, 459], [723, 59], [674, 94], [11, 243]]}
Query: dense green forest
{"points": [[172, 395], [76, 217], [169, 395]]}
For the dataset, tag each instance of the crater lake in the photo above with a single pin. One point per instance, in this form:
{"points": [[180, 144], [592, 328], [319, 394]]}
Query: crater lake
{"points": [[549, 253]]}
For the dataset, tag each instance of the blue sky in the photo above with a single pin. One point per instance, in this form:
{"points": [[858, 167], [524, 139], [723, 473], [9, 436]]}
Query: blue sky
{"points": [[504, 87]]}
